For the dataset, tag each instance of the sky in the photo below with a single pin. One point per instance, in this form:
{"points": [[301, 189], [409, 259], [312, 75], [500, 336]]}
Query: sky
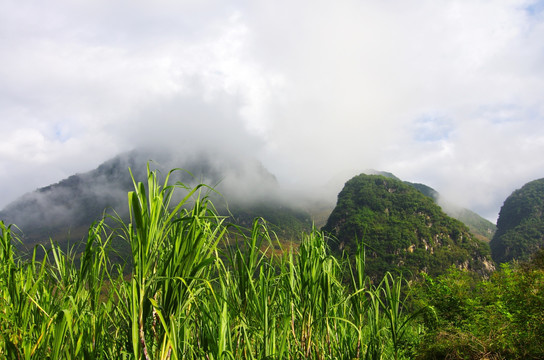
{"points": [[449, 93]]}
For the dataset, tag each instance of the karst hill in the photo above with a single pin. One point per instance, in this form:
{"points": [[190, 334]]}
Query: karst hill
{"points": [[520, 227], [402, 229]]}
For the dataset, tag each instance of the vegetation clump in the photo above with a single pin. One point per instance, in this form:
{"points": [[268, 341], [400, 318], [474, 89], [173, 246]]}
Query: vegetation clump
{"points": [[497, 318]]}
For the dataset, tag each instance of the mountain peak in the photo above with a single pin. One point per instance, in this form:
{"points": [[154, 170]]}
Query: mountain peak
{"points": [[520, 227], [401, 228]]}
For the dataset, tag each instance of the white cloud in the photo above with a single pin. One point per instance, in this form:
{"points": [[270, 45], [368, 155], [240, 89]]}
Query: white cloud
{"points": [[443, 92]]}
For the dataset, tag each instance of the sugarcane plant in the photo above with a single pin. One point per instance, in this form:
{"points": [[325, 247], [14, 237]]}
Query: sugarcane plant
{"points": [[194, 287]]}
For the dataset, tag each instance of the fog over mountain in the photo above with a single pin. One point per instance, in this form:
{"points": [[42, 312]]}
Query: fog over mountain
{"points": [[239, 186], [239, 189], [444, 93], [229, 180]]}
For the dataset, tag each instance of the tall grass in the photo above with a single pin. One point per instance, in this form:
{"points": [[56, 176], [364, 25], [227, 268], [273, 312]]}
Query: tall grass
{"points": [[198, 288]]}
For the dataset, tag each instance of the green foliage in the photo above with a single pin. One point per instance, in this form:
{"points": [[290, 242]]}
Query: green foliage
{"points": [[50, 307], [480, 227], [498, 318], [186, 298], [403, 230], [520, 227]]}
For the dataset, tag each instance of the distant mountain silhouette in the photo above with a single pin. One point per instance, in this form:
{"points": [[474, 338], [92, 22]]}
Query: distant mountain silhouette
{"points": [[64, 211]]}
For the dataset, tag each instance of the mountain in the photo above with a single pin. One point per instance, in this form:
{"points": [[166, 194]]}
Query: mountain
{"points": [[482, 228], [65, 210], [402, 229], [520, 226]]}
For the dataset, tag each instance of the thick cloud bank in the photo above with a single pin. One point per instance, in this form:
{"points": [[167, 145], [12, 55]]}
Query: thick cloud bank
{"points": [[446, 93]]}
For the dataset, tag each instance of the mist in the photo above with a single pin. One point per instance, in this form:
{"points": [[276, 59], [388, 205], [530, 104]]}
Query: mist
{"points": [[448, 93]]}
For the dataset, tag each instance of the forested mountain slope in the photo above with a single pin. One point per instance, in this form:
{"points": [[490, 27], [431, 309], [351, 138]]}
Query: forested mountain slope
{"points": [[402, 229], [520, 227], [482, 228]]}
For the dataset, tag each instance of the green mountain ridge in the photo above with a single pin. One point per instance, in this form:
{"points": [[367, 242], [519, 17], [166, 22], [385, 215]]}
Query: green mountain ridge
{"points": [[482, 228], [402, 229], [520, 226]]}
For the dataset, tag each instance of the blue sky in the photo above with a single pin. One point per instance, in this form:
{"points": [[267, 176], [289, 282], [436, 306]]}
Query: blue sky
{"points": [[446, 93]]}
